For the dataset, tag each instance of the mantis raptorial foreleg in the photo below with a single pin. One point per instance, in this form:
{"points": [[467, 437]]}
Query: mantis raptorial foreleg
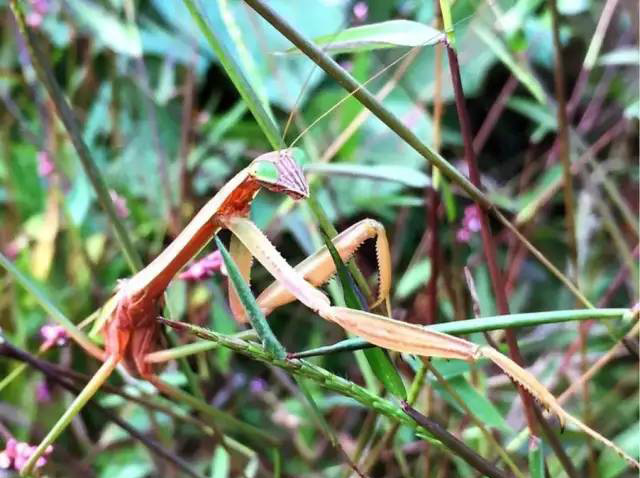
{"points": [[131, 331], [318, 268], [393, 334]]}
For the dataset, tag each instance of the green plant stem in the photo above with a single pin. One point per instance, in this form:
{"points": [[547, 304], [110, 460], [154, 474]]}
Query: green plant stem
{"points": [[485, 324], [46, 77], [193, 348], [81, 399], [369, 101], [8, 350], [459, 448], [301, 368]]}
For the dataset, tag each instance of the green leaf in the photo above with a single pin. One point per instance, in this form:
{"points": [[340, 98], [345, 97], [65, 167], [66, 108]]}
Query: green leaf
{"points": [[519, 71], [622, 56], [475, 401], [536, 458], [400, 174], [220, 463], [417, 275], [117, 36], [254, 313], [389, 34]]}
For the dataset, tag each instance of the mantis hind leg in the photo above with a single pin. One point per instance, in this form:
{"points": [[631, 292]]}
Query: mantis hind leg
{"points": [[318, 268]]}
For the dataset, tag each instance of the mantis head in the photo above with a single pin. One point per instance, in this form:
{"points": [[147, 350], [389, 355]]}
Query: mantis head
{"points": [[280, 171]]}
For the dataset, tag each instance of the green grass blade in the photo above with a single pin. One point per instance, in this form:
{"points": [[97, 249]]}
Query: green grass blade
{"points": [[46, 77], [255, 315], [236, 74], [536, 458], [48, 305]]}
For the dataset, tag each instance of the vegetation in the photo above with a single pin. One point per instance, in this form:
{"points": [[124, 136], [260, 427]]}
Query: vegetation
{"points": [[497, 142]]}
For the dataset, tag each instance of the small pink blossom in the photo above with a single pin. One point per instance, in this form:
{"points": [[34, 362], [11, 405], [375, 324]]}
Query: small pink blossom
{"points": [[14, 247], [470, 224], [46, 166], [43, 392], [120, 204], [16, 454], [204, 268], [361, 11], [53, 335], [39, 8]]}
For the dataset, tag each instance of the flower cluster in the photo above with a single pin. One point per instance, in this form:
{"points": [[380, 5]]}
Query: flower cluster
{"points": [[39, 8], [470, 224], [53, 335], [16, 454], [204, 268]]}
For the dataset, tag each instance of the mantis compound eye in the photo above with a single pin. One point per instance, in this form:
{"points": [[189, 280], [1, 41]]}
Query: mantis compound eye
{"points": [[280, 171]]}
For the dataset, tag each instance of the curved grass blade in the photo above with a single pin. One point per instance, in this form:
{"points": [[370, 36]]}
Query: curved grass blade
{"points": [[255, 315]]}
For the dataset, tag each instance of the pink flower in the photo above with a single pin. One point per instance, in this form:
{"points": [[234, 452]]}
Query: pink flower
{"points": [[360, 11], [470, 224], [120, 204], [43, 393], [17, 453], [204, 268], [46, 167], [53, 335]]}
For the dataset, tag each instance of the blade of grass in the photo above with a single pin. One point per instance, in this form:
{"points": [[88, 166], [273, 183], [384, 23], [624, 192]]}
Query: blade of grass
{"points": [[237, 76], [254, 314], [48, 305], [46, 77]]}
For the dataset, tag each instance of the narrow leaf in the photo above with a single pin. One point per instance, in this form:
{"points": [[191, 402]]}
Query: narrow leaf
{"points": [[255, 315], [390, 34]]}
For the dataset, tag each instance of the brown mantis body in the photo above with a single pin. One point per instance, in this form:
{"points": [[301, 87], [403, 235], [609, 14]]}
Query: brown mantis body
{"points": [[132, 331]]}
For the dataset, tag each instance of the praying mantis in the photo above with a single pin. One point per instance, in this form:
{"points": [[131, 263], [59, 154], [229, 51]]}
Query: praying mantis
{"points": [[132, 332]]}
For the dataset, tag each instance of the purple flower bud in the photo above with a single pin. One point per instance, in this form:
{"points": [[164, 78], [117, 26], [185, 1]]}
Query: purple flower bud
{"points": [[43, 393], [120, 204], [46, 166], [53, 335], [257, 386], [470, 224], [204, 268], [361, 11]]}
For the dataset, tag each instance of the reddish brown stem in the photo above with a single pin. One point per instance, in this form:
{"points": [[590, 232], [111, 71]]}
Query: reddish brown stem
{"points": [[494, 114], [434, 253], [487, 236]]}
